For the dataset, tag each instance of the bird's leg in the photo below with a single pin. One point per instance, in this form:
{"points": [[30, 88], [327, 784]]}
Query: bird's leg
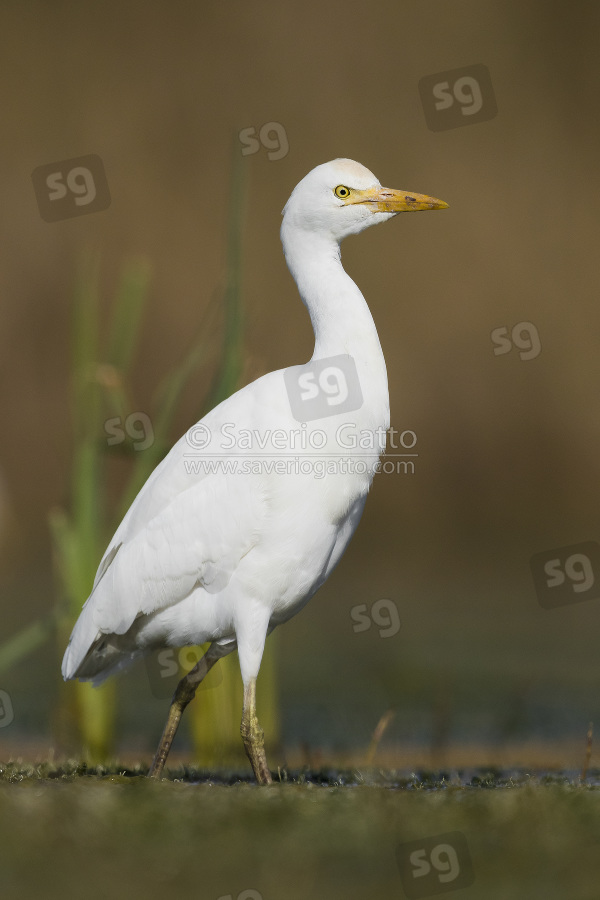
{"points": [[253, 736], [184, 693]]}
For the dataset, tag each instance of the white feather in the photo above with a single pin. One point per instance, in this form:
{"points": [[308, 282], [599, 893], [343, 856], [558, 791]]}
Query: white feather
{"points": [[226, 557]]}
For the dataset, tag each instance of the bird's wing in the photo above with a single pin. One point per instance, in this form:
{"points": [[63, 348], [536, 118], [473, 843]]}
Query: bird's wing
{"points": [[183, 529], [262, 401], [198, 539]]}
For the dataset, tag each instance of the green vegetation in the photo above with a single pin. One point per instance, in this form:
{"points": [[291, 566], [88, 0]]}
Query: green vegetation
{"points": [[329, 835]]}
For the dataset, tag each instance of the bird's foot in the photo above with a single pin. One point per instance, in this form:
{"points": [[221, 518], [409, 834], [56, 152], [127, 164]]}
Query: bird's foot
{"points": [[261, 771], [158, 763], [254, 745]]}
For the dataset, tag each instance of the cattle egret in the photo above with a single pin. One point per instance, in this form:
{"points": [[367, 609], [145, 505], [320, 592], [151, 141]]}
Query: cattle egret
{"points": [[252, 509]]}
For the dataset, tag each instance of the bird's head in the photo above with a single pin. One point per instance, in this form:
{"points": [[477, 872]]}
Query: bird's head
{"points": [[341, 197]]}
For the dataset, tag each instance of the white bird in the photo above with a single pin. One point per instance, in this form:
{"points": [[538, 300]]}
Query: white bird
{"points": [[210, 551]]}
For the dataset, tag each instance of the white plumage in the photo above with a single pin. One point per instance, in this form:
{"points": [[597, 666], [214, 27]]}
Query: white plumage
{"points": [[213, 556]]}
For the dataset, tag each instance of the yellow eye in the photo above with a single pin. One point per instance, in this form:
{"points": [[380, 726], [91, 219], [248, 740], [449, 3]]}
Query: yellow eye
{"points": [[342, 191]]}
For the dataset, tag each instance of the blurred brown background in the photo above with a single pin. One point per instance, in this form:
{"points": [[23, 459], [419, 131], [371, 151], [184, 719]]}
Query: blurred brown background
{"points": [[508, 448]]}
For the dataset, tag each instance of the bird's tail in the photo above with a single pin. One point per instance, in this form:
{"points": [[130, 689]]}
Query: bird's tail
{"points": [[84, 634], [91, 655]]}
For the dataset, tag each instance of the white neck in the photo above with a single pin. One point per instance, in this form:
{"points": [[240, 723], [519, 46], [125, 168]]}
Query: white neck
{"points": [[338, 311], [341, 319]]}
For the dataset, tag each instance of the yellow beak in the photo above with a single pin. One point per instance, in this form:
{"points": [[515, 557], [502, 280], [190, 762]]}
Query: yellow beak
{"points": [[389, 200]]}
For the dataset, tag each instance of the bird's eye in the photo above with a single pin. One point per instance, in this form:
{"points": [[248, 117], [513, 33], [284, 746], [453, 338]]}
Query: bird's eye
{"points": [[342, 191]]}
